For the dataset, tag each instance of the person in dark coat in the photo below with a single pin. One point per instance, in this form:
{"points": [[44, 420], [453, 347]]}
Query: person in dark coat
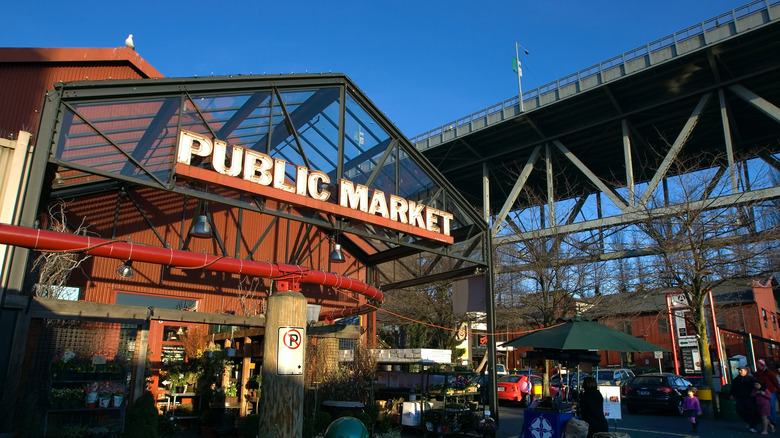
{"points": [[591, 407], [741, 389]]}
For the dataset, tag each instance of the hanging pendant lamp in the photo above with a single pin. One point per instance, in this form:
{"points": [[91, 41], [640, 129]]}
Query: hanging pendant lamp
{"points": [[126, 270], [202, 227], [336, 256]]}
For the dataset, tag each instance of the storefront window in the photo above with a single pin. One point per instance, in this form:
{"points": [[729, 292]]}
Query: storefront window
{"points": [[154, 301]]}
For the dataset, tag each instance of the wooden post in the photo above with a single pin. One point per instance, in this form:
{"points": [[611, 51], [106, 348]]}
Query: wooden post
{"points": [[245, 364], [140, 360], [281, 398]]}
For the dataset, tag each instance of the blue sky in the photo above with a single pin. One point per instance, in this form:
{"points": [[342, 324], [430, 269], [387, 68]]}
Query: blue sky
{"points": [[424, 63]]}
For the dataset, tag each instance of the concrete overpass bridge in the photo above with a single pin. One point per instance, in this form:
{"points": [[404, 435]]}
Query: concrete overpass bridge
{"points": [[609, 145]]}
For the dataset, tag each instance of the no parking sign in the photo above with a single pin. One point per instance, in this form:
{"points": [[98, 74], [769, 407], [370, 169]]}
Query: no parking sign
{"points": [[289, 357]]}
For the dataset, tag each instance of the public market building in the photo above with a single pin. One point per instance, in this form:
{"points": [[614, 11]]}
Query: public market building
{"points": [[139, 211]]}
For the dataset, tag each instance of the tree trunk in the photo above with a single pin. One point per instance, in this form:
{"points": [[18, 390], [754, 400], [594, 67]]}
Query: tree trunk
{"points": [[700, 323]]}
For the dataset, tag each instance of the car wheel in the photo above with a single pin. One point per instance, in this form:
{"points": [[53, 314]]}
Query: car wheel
{"points": [[678, 407], [526, 401]]}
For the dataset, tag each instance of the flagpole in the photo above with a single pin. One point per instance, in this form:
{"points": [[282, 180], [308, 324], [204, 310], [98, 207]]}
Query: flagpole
{"points": [[519, 74]]}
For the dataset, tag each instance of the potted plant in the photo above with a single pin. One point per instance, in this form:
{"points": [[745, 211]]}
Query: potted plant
{"points": [[230, 392], [253, 385], [58, 397], [74, 398], [62, 367], [118, 395], [91, 394], [104, 399]]}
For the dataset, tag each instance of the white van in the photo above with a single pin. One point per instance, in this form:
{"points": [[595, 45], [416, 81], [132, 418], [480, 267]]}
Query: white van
{"points": [[501, 370]]}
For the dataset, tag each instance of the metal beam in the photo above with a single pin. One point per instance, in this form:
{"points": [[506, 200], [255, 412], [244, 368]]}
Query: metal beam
{"points": [[760, 103], [550, 188], [516, 189], [617, 200], [644, 215], [629, 163], [675, 149], [724, 117]]}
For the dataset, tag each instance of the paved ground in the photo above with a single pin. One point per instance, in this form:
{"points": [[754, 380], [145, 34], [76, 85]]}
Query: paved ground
{"points": [[643, 425]]}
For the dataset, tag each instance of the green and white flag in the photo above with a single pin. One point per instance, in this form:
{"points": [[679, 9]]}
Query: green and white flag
{"points": [[516, 67]]}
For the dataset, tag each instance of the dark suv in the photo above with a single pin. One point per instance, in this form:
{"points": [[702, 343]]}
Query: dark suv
{"points": [[658, 391]]}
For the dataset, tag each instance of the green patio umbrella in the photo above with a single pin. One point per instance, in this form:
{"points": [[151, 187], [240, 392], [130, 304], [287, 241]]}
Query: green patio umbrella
{"points": [[582, 334]]}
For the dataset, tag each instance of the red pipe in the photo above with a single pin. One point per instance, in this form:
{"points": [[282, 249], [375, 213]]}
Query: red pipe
{"points": [[42, 240]]}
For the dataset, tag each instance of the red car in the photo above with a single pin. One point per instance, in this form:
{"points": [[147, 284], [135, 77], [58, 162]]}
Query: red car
{"points": [[516, 388]]}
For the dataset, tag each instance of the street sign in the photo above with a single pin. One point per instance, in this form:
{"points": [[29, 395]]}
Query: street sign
{"points": [[289, 356]]}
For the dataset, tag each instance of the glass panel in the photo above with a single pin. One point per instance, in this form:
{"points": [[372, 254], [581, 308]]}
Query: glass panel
{"points": [[364, 143], [314, 115], [104, 135]]}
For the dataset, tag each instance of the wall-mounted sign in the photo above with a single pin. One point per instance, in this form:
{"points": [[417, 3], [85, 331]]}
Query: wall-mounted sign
{"points": [[256, 172], [289, 355]]}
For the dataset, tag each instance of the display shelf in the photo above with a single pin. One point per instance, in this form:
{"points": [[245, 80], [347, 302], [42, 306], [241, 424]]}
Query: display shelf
{"points": [[70, 407]]}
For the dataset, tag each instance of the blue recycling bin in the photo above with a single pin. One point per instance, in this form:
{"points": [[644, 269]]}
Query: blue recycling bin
{"points": [[545, 424]]}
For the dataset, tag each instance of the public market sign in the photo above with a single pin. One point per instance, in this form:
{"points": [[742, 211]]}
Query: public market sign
{"points": [[256, 172]]}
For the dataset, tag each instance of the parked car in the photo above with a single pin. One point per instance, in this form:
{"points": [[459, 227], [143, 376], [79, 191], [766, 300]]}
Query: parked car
{"points": [[614, 377], [518, 388], [481, 381], [571, 382], [658, 391]]}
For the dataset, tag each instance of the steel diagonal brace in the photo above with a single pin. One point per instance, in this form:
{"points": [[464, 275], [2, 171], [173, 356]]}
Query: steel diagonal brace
{"points": [[660, 173], [757, 101], [614, 197], [515, 192]]}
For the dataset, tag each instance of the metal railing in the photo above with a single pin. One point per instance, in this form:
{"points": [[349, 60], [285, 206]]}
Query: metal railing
{"points": [[619, 65]]}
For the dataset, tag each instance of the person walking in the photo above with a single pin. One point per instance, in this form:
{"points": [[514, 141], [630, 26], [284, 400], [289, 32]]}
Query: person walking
{"points": [[769, 378], [762, 397], [741, 389], [692, 408], [591, 407]]}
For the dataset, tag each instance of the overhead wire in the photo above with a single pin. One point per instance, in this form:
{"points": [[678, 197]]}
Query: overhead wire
{"points": [[517, 333]]}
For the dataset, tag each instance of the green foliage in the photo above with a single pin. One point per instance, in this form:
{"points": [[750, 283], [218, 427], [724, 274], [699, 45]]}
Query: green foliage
{"points": [[365, 419], [141, 420], [210, 367], [71, 431], [353, 381], [250, 426], [321, 421], [373, 412]]}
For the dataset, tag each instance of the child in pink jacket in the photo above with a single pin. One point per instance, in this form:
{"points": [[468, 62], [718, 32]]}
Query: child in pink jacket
{"points": [[692, 408]]}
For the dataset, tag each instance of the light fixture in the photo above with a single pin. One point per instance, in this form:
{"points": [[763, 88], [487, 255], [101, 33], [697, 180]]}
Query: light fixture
{"points": [[202, 227], [336, 256], [126, 270]]}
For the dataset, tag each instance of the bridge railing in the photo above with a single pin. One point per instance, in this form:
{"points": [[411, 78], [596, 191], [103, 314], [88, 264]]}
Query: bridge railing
{"points": [[692, 38]]}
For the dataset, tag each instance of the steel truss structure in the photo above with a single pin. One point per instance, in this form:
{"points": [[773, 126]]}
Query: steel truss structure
{"points": [[115, 135], [614, 146]]}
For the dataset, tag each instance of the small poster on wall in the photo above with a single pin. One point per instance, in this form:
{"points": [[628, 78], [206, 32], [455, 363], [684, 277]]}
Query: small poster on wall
{"points": [[611, 396]]}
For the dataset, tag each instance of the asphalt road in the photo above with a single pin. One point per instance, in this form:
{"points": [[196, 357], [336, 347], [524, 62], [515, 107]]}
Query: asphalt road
{"points": [[643, 425]]}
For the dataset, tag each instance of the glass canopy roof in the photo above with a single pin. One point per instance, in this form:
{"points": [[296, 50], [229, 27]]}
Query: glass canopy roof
{"points": [[128, 131]]}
